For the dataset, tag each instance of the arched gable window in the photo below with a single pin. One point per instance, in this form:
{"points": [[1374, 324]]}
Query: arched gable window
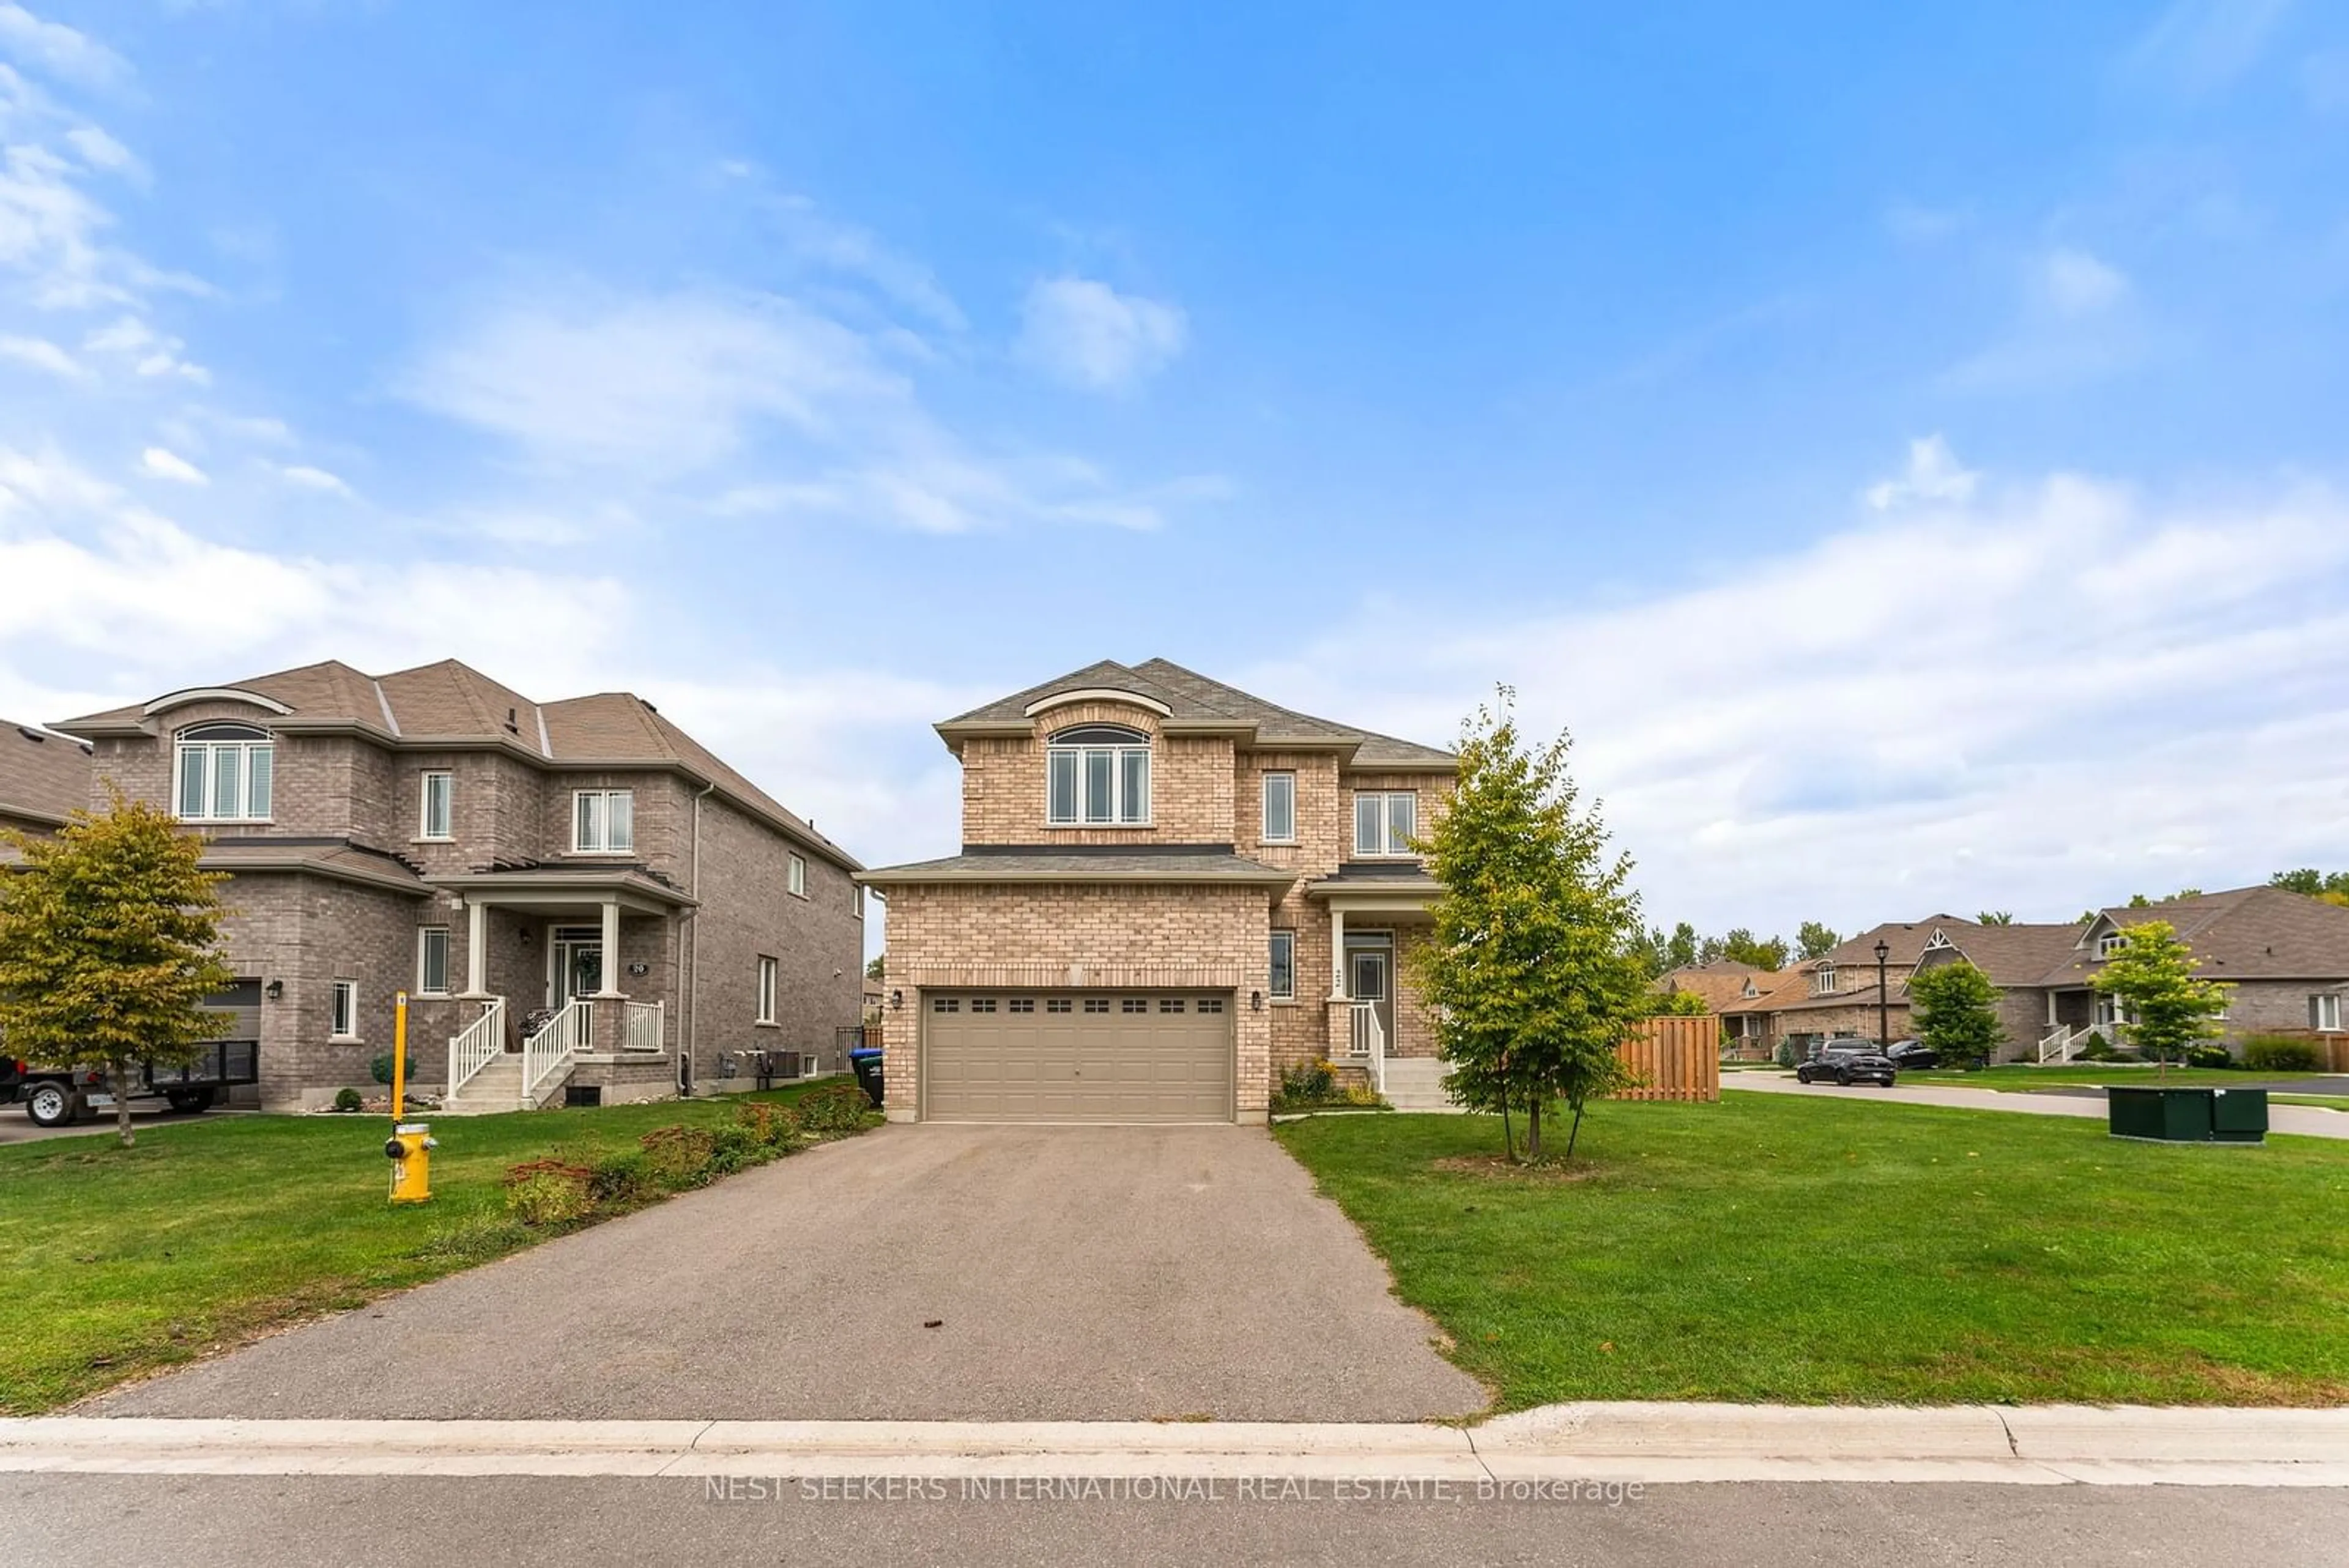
{"points": [[1823, 980], [1097, 775], [223, 773]]}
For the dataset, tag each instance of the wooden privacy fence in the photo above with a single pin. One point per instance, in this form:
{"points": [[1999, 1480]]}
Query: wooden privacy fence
{"points": [[1677, 1058]]}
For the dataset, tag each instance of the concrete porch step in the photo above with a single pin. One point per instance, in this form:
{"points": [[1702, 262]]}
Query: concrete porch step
{"points": [[496, 1087], [1416, 1083]]}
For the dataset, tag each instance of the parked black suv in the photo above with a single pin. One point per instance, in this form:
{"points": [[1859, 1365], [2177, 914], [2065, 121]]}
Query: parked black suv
{"points": [[1848, 1062]]}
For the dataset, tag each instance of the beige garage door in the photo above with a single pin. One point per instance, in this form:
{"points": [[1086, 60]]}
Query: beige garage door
{"points": [[1077, 1056]]}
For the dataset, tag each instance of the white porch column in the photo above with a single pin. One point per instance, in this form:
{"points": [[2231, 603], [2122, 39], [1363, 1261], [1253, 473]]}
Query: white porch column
{"points": [[1337, 951], [611, 950], [477, 948]]}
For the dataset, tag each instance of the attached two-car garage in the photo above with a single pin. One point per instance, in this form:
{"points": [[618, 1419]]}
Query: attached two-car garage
{"points": [[1077, 1056]]}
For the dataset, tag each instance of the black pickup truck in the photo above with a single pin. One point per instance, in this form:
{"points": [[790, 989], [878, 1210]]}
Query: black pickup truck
{"points": [[59, 1096]]}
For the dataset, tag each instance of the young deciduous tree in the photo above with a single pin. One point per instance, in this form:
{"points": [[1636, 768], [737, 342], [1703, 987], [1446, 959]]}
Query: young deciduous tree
{"points": [[1676, 1004], [1741, 946], [1995, 917], [1954, 1007], [2151, 976], [1533, 972], [107, 939], [1816, 939]]}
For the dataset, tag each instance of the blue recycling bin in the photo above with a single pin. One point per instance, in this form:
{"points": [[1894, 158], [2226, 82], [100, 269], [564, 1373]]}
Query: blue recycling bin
{"points": [[865, 1062]]}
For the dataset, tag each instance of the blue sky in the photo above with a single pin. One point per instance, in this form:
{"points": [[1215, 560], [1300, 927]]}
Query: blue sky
{"points": [[1902, 443]]}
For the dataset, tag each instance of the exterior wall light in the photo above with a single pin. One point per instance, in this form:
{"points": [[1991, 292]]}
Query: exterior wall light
{"points": [[274, 989], [896, 1002], [1256, 1002]]}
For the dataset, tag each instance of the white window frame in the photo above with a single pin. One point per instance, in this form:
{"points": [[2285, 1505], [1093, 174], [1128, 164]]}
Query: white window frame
{"points": [[447, 783], [2110, 943], [424, 936], [343, 1023], [1079, 755], [1287, 777], [601, 843], [256, 751], [1272, 985], [796, 877], [769, 985], [1393, 844], [1823, 981], [2325, 1012]]}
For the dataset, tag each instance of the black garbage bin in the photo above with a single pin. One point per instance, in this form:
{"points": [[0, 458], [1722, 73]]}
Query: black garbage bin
{"points": [[2239, 1116], [865, 1062], [2165, 1114]]}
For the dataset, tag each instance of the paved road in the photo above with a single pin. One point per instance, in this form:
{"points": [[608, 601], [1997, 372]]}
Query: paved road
{"points": [[2308, 1121], [278, 1522], [1076, 1274]]}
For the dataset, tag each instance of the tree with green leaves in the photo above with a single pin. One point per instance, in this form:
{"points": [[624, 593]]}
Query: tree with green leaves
{"points": [[108, 947], [2151, 979], [2332, 887], [1741, 946], [1676, 1004], [1816, 939], [2139, 901], [877, 968], [1954, 1008], [1533, 972], [1995, 917]]}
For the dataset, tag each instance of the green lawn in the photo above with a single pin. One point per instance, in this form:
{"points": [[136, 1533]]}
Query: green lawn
{"points": [[1769, 1248], [2016, 1076], [215, 1230]]}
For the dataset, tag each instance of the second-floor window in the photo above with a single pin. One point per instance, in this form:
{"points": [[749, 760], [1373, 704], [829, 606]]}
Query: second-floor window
{"points": [[1097, 775], [799, 877], [2111, 943], [604, 821], [1280, 808], [1823, 980], [437, 817], [1385, 821], [225, 774]]}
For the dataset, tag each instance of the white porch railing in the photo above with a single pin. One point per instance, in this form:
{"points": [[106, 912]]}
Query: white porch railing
{"points": [[478, 1045], [552, 1049], [645, 1028], [1369, 1038], [2059, 1043]]}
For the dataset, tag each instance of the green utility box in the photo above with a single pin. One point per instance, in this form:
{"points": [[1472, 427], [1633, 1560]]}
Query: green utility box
{"points": [[2239, 1116], [2188, 1114]]}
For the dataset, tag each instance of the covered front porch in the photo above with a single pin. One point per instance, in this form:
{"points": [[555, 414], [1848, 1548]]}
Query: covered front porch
{"points": [[1377, 1023], [573, 980]]}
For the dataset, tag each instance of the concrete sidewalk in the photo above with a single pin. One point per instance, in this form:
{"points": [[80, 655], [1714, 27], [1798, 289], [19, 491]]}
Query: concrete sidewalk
{"points": [[2303, 1121], [1653, 1443]]}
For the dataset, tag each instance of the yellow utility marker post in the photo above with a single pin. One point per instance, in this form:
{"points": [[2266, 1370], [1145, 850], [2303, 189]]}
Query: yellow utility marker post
{"points": [[411, 1144]]}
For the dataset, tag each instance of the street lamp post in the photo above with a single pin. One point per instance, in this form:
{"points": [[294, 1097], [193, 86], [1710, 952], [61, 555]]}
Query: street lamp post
{"points": [[1883, 999]]}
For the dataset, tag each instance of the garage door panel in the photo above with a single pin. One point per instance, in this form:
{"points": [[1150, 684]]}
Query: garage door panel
{"points": [[1076, 1057]]}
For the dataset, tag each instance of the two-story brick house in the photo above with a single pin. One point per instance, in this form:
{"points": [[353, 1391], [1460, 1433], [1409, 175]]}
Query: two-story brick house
{"points": [[1168, 891], [576, 895]]}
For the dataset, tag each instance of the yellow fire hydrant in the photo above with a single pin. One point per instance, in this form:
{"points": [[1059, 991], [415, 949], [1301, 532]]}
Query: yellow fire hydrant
{"points": [[411, 1148]]}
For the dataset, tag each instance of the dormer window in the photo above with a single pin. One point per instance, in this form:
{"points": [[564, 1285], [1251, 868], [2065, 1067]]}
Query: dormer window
{"points": [[1097, 775], [2110, 943], [224, 773], [1823, 980]]}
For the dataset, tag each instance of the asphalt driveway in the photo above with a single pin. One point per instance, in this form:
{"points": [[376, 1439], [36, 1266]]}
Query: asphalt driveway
{"points": [[1072, 1273]]}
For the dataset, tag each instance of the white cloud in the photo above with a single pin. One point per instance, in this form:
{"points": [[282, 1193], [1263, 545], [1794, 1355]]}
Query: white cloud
{"points": [[43, 355], [2035, 700], [825, 241], [164, 464], [1933, 475], [59, 50], [100, 151], [149, 353], [1084, 332], [2198, 46], [304, 477], [2075, 283], [1914, 223]]}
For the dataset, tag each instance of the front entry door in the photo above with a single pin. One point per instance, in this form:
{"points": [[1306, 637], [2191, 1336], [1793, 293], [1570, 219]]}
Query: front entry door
{"points": [[1367, 975], [578, 964]]}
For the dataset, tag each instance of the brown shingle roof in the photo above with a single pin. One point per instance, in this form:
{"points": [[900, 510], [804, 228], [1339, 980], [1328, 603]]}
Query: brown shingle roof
{"points": [[2245, 933], [1722, 985], [452, 701], [1189, 695], [44, 776]]}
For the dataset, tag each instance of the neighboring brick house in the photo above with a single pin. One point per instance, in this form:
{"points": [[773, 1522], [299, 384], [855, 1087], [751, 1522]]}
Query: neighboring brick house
{"points": [[1735, 993], [44, 777], [1168, 891], [576, 895]]}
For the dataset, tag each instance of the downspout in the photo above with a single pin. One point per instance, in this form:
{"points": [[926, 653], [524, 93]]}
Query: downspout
{"points": [[693, 954]]}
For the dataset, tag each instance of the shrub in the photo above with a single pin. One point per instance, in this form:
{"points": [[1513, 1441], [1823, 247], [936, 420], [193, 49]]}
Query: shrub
{"points": [[542, 1192], [1307, 1082], [2280, 1054], [1785, 1054], [835, 1108], [2206, 1055], [733, 1148], [678, 1157], [621, 1179], [346, 1099], [2096, 1048], [380, 1068], [474, 1238], [770, 1125]]}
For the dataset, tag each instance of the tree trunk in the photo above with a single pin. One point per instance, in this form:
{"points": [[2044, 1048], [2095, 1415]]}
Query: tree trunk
{"points": [[118, 1073], [1509, 1136], [1575, 1131], [1533, 1128]]}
